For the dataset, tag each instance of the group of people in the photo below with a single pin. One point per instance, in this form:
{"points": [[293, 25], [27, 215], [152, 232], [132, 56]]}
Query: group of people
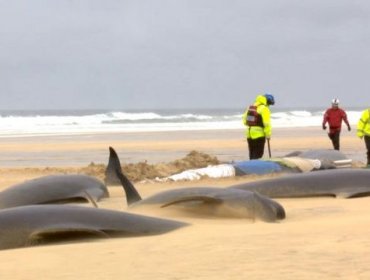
{"points": [[257, 120]]}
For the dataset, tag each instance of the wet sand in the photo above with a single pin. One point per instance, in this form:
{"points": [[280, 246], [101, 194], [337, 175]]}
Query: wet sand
{"points": [[321, 237], [154, 147]]}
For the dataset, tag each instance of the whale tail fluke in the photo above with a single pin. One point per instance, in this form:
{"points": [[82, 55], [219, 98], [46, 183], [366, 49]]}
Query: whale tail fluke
{"points": [[114, 173]]}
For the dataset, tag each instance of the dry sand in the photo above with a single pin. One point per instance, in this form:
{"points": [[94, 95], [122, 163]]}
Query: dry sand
{"points": [[322, 237]]}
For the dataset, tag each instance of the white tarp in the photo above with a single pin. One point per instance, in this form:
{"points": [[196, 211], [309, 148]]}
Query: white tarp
{"points": [[344, 163], [304, 164], [212, 171]]}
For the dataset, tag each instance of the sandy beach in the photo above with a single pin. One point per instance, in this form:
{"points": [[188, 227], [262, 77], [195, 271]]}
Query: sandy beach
{"points": [[154, 147], [325, 238]]}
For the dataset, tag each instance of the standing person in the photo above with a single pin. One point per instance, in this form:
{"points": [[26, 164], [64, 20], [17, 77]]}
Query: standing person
{"points": [[363, 131], [334, 117], [257, 120]]}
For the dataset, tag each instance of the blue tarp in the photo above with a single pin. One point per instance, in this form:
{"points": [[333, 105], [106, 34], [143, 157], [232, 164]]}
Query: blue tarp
{"points": [[256, 166]]}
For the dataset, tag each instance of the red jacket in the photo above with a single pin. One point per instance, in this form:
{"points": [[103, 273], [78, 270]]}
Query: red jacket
{"points": [[334, 118]]}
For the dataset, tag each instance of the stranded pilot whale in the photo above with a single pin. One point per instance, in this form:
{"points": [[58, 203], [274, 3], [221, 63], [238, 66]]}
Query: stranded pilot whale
{"points": [[203, 200], [53, 189], [30, 225], [346, 183]]}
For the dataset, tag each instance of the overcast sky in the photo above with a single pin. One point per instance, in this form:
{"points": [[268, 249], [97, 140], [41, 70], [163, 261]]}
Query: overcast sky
{"points": [[137, 54]]}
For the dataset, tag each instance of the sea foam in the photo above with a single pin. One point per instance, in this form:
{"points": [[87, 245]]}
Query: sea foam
{"points": [[100, 121]]}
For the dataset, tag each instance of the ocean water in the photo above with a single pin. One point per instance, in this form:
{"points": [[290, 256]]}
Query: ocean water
{"points": [[68, 122]]}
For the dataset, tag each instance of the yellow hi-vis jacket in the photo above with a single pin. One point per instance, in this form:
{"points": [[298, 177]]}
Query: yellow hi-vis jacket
{"points": [[262, 109], [363, 125]]}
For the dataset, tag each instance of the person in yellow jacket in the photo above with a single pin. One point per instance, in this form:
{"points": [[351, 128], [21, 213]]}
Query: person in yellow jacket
{"points": [[257, 120], [363, 131]]}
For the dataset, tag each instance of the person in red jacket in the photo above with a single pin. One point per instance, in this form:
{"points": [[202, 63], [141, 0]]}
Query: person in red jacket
{"points": [[334, 117]]}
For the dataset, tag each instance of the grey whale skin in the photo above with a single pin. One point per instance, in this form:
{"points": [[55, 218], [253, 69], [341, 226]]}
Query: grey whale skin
{"points": [[31, 225], [345, 183], [53, 189]]}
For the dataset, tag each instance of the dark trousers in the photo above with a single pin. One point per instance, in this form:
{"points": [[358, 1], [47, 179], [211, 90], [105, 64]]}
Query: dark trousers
{"points": [[367, 143], [256, 147], [334, 137]]}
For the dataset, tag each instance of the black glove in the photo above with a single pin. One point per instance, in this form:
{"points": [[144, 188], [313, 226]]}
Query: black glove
{"points": [[349, 128], [323, 126]]}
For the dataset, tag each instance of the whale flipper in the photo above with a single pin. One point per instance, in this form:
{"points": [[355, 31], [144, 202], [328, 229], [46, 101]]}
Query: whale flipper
{"points": [[203, 199]]}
